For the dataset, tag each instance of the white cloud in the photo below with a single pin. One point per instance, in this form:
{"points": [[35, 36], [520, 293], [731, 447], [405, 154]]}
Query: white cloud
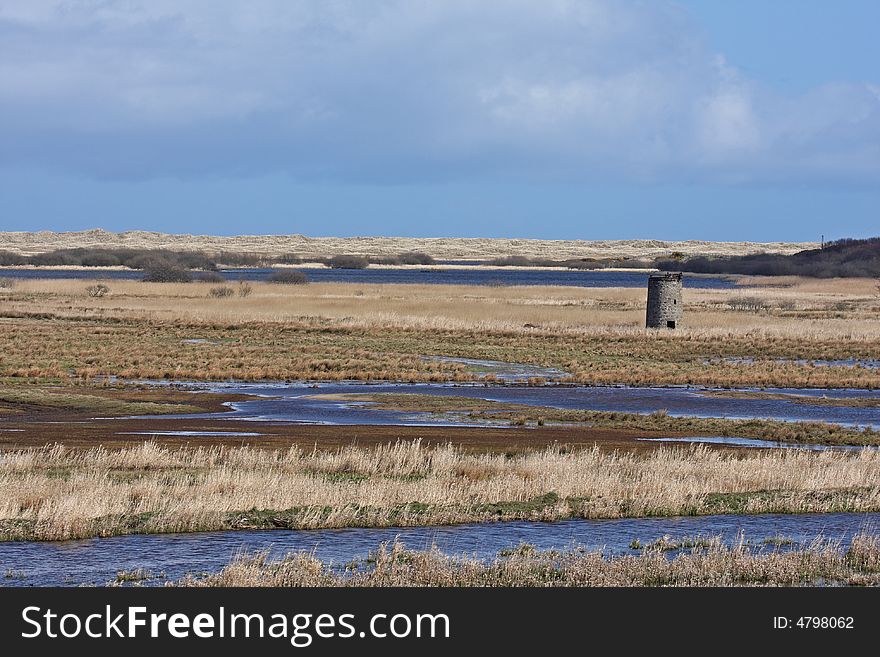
{"points": [[400, 90]]}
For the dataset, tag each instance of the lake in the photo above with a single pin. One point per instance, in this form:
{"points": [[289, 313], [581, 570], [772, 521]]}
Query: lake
{"points": [[371, 275]]}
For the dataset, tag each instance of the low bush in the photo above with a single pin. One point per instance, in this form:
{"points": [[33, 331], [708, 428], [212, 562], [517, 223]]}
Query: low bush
{"points": [[408, 258], [55, 259], [221, 292], [288, 277], [235, 259], [100, 259], [131, 258], [347, 262], [163, 271], [7, 283], [415, 258], [582, 263], [211, 277], [9, 259], [97, 291], [570, 263], [511, 261]]}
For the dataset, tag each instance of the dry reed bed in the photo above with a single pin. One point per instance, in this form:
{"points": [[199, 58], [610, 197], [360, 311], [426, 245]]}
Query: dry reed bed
{"points": [[803, 307], [821, 563], [335, 351], [345, 331], [55, 493]]}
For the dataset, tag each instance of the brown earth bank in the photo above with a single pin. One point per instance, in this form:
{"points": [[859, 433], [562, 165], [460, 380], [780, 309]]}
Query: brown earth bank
{"points": [[30, 243], [40, 421], [35, 414], [80, 432]]}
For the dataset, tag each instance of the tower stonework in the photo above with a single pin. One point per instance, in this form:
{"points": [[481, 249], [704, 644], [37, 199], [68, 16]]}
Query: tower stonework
{"points": [[664, 301]]}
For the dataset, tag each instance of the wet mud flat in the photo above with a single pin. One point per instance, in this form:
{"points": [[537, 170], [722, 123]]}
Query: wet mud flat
{"points": [[32, 425], [336, 402], [81, 432], [328, 415]]}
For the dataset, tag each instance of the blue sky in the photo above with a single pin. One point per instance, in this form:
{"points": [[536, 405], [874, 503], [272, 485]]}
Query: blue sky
{"points": [[589, 119]]}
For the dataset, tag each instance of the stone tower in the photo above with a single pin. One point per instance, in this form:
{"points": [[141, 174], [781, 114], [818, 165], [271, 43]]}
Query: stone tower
{"points": [[664, 300]]}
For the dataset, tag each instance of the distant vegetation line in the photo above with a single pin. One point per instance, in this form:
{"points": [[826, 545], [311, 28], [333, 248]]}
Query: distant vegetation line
{"points": [[572, 263], [194, 260], [841, 258], [146, 259]]}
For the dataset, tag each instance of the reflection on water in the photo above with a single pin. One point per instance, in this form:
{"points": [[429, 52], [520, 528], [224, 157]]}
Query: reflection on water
{"points": [[98, 560]]}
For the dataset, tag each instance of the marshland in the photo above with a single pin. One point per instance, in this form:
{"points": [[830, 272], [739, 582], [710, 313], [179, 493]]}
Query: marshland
{"points": [[160, 408], [398, 334]]}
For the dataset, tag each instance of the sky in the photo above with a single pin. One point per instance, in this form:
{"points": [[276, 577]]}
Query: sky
{"points": [[560, 119]]}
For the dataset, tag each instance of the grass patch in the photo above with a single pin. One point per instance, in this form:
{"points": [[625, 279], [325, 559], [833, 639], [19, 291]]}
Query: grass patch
{"points": [[92, 403], [136, 575], [708, 563], [835, 500]]}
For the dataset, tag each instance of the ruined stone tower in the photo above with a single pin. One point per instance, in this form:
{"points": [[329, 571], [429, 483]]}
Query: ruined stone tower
{"points": [[664, 300]]}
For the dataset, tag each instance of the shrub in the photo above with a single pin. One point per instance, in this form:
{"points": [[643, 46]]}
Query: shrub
{"points": [[415, 258], [407, 258], [220, 292], [140, 261], [131, 258], [189, 259], [160, 270], [7, 283], [288, 277], [241, 259], [182, 259], [211, 277], [10, 259], [97, 291], [100, 259], [511, 261], [347, 262], [55, 259], [244, 289], [582, 263]]}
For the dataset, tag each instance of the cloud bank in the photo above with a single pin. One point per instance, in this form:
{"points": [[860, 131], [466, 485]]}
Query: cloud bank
{"points": [[394, 91]]}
